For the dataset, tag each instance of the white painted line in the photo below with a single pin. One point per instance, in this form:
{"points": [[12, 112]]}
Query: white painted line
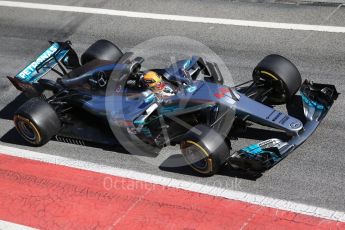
{"points": [[4, 225], [132, 14], [180, 184]]}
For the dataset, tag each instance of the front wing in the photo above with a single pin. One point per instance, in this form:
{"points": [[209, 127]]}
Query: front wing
{"points": [[310, 107]]}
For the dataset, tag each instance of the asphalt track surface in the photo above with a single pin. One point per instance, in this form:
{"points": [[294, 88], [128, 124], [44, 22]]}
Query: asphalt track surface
{"points": [[314, 174]]}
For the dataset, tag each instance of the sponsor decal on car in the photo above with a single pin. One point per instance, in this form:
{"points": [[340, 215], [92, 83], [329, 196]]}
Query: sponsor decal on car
{"points": [[26, 73]]}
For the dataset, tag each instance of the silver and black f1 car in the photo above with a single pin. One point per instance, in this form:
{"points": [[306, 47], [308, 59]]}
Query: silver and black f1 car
{"points": [[202, 115]]}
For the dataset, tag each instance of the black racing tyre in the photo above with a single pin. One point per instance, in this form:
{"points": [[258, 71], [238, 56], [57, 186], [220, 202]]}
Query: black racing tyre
{"points": [[204, 150], [36, 121], [102, 50], [279, 73]]}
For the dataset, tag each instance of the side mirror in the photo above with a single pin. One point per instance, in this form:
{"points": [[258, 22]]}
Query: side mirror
{"points": [[135, 65]]}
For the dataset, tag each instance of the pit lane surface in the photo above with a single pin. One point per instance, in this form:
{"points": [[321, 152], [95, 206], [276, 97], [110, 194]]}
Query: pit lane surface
{"points": [[313, 174]]}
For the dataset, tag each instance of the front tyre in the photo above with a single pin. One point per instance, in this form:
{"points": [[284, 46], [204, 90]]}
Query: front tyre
{"points": [[280, 75], [204, 150], [36, 121]]}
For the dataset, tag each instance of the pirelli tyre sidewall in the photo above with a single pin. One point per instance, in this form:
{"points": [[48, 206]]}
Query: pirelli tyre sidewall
{"points": [[204, 150], [36, 121]]}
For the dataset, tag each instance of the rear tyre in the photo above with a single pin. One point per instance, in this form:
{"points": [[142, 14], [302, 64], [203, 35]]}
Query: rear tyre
{"points": [[280, 74], [36, 121], [102, 50], [204, 150]]}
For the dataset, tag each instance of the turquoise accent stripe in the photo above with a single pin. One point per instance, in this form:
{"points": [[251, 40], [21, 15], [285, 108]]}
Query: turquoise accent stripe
{"points": [[312, 103], [191, 89], [150, 98], [253, 149], [187, 64]]}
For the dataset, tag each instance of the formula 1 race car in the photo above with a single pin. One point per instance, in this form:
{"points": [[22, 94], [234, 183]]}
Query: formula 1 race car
{"points": [[102, 98]]}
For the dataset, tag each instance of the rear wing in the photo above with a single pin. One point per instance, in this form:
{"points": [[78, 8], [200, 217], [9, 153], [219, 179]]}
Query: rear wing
{"points": [[58, 53]]}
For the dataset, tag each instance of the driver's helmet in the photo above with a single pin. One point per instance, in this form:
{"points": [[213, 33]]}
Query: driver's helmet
{"points": [[153, 81]]}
